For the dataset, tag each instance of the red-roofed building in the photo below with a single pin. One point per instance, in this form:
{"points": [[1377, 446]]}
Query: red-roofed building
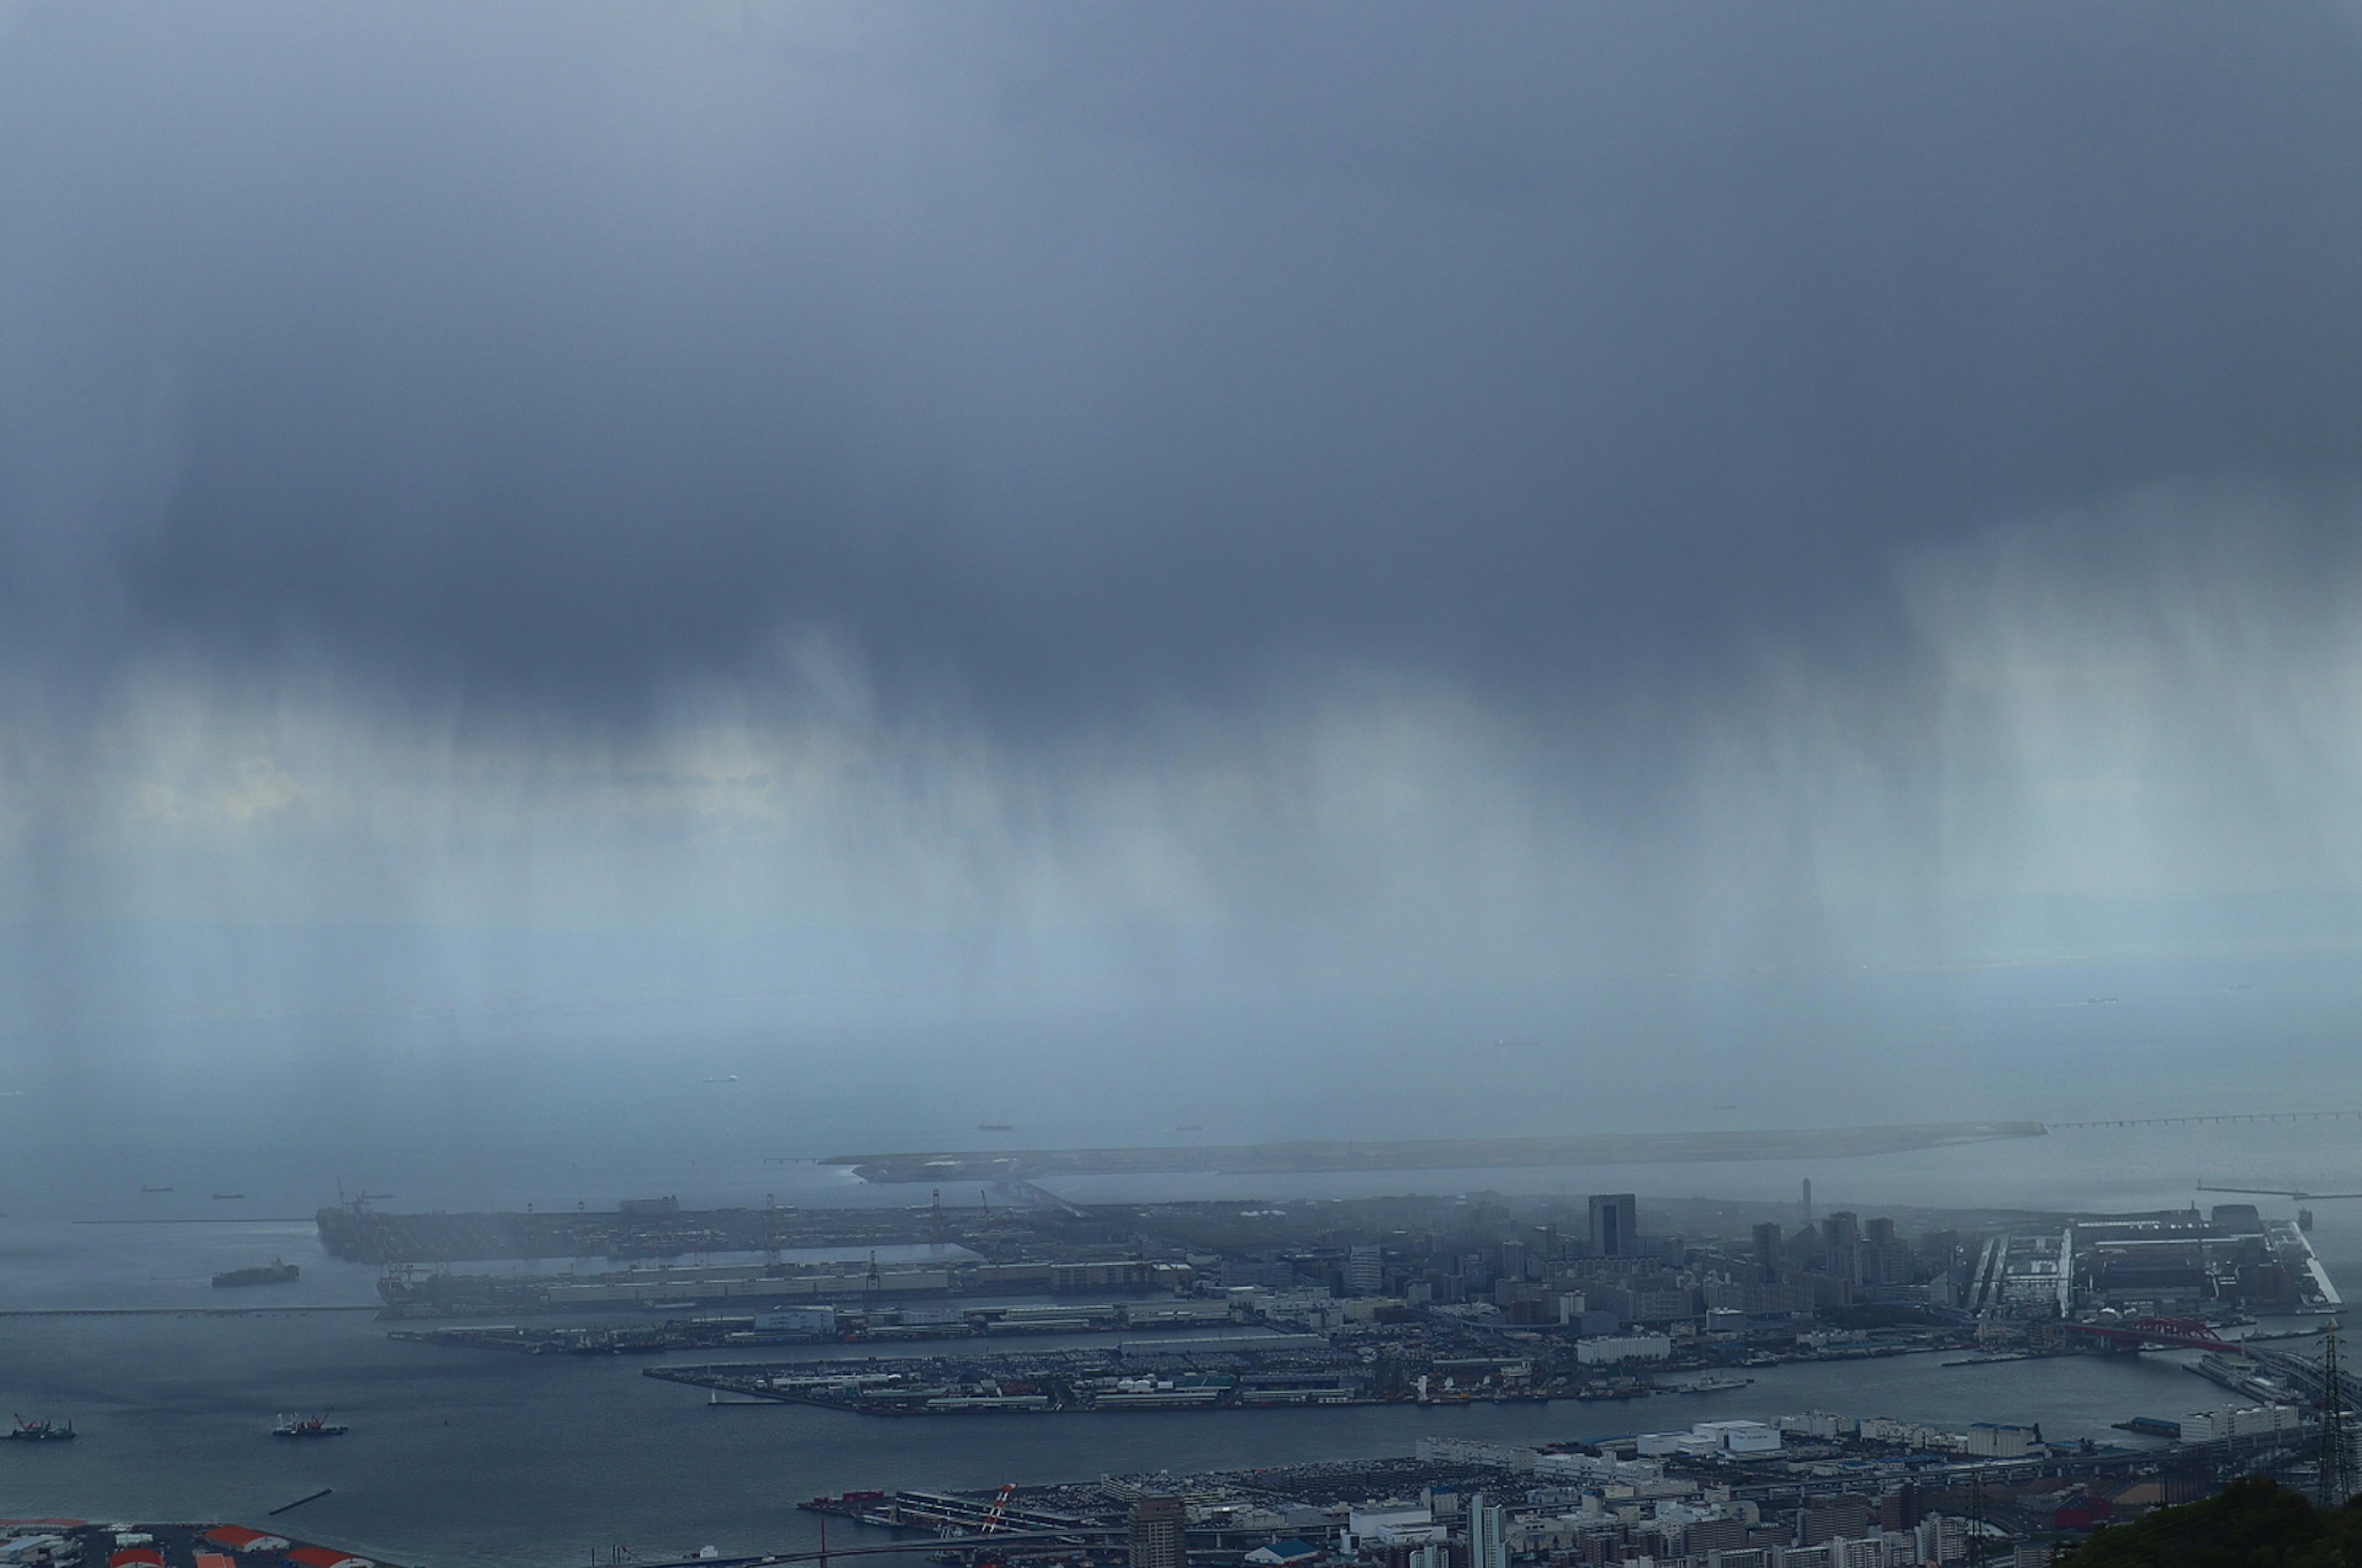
{"points": [[215, 1560], [325, 1557], [238, 1538], [136, 1557]]}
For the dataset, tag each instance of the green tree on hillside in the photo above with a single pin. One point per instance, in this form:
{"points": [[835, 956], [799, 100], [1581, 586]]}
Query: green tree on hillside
{"points": [[2253, 1524]]}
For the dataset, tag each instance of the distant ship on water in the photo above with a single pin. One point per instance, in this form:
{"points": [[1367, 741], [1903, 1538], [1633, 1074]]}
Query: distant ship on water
{"points": [[273, 1273]]}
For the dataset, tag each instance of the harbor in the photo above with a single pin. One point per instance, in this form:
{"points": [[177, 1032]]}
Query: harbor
{"points": [[171, 1403], [183, 1402]]}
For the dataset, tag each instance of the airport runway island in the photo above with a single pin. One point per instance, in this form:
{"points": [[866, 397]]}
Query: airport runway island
{"points": [[1429, 1153]]}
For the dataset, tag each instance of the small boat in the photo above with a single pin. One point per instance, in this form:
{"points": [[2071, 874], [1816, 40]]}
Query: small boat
{"points": [[227, 1197], [309, 1427], [40, 1429], [155, 1189], [1712, 1386]]}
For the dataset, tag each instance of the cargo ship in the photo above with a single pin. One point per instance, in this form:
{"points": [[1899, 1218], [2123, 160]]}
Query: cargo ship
{"points": [[40, 1429], [272, 1272], [309, 1427]]}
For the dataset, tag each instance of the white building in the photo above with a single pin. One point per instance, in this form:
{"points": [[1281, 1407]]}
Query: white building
{"points": [[1590, 1467], [2253, 1421], [1476, 1450], [1488, 1545], [1406, 1526], [1608, 1349], [1999, 1439], [1740, 1437]]}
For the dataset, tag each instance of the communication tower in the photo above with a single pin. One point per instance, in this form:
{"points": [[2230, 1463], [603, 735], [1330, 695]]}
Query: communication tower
{"points": [[2336, 1442]]}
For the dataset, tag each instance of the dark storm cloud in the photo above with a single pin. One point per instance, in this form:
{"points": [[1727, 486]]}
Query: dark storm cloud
{"points": [[1062, 360]]}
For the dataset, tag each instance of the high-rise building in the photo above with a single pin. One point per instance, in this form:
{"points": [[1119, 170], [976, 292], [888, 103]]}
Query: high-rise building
{"points": [[1365, 1270], [1841, 1234], [1768, 1249], [1615, 1224], [1158, 1524], [1488, 1544]]}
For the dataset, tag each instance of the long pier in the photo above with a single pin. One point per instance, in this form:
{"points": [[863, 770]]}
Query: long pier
{"points": [[1429, 1153], [2224, 1119]]}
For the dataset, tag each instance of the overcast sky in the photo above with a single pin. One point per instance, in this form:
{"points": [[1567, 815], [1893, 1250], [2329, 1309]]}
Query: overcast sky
{"points": [[1376, 493]]}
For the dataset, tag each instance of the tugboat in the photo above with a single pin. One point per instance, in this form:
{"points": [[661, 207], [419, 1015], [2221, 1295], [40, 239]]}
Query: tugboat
{"points": [[309, 1427], [41, 1429], [275, 1272]]}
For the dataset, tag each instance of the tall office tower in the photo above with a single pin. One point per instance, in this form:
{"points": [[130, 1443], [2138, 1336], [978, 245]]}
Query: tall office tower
{"points": [[1488, 1545], [1767, 1249], [1939, 1249], [1808, 1200], [1157, 1523], [1615, 1224], [1365, 1270], [1841, 1231]]}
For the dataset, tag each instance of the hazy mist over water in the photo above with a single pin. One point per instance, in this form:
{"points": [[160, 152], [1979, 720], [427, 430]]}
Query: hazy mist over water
{"points": [[726, 1102]]}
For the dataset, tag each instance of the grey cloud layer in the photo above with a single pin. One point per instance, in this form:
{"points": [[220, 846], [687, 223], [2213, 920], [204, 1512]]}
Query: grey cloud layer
{"points": [[1060, 362]]}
